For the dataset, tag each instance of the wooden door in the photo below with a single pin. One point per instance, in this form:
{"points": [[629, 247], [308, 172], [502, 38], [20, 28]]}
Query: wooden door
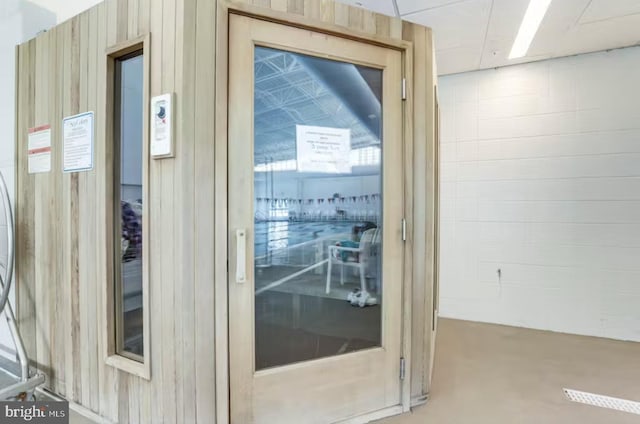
{"points": [[315, 225]]}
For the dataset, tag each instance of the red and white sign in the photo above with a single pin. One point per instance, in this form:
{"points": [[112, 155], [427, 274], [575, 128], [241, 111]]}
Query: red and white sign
{"points": [[39, 152]]}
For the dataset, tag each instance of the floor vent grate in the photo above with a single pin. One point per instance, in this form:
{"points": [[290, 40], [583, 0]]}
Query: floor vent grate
{"points": [[603, 401]]}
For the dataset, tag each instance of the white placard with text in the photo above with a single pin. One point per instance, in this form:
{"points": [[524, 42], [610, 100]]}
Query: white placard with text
{"points": [[77, 142], [323, 149], [162, 126]]}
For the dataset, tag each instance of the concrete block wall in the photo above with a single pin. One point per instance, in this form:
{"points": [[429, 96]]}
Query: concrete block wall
{"points": [[540, 179]]}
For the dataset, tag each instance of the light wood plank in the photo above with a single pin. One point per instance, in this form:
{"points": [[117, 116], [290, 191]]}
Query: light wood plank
{"points": [[261, 3], [85, 258], [110, 402], [312, 10], [133, 17], [182, 206], [66, 243], [91, 209], [43, 256], [341, 14], [295, 7], [100, 217], [56, 373], [74, 217], [337, 26], [221, 217], [412, 89], [144, 16], [356, 18], [383, 26], [204, 167], [279, 5], [122, 22], [185, 207], [133, 387], [112, 19], [167, 253], [56, 127], [123, 397], [432, 184], [145, 386], [369, 22], [155, 228], [25, 211]]}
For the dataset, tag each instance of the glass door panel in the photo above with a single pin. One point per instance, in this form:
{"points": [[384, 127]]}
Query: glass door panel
{"points": [[317, 207]]}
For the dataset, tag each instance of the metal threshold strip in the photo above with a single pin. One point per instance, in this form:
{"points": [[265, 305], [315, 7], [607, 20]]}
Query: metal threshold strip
{"points": [[603, 401]]}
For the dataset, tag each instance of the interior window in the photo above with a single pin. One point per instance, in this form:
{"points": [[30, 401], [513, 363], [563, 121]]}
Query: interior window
{"points": [[128, 216]]}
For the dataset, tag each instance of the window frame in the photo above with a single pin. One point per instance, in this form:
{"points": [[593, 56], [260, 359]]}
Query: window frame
{"points": [[115, 356]]}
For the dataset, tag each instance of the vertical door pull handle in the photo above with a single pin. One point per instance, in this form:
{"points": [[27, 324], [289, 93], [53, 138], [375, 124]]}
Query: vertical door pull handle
{"points": [[241, 256]]}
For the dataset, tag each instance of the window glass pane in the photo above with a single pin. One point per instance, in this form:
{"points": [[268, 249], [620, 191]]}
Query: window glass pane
{"points": [[318, 207], [129, 289]]}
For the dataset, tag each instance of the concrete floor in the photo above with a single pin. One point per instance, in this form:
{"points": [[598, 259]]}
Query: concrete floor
{"points": [[504, 375], [494, 374]]}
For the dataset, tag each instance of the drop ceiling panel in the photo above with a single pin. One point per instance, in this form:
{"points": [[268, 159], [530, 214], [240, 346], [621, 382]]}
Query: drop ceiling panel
{"points": [[558, 22], [502, 27], [600, 10], [478, 34], [461, 24], [601, 35], [412, 6]]}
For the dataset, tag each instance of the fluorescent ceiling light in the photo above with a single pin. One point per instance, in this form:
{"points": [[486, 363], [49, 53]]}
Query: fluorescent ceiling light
{"points": [[530, 24]]}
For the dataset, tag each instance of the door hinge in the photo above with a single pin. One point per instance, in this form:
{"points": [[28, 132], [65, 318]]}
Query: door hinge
{"points": [[404, 229], [404, 89], [402, 368]]}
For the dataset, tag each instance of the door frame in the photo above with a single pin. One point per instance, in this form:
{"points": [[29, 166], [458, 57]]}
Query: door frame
{"points": [[224, 9]]}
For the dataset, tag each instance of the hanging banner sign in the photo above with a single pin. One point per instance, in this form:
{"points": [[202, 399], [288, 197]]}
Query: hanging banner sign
{"points": [[323, 149], [39, 149], [77, 142]]}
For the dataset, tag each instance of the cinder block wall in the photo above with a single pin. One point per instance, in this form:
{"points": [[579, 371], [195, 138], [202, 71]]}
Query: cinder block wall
{"points": [[541, 179]]}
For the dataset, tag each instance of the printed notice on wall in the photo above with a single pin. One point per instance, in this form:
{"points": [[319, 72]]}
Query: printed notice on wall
{"points": [[39, 149], [78, 143], [323, 149], [162, 126]]}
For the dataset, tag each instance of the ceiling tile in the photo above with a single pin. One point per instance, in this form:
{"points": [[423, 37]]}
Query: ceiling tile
{"points": [[601, 35], [380, 6], [478, 34], [600, 10], [412, 6], [558, 22], [461, 24], [504, 23]]}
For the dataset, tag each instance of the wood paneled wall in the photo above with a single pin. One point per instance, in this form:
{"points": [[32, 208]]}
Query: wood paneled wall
{"points": [[62, 266]]}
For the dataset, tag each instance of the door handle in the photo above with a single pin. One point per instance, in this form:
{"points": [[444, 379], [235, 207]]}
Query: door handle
{"points": [[241, 256]]}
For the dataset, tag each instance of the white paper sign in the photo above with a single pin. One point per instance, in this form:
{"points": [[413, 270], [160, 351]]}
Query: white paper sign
{"points": [[323, 149], [39, 149], [162, 126], [77, 142]]}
